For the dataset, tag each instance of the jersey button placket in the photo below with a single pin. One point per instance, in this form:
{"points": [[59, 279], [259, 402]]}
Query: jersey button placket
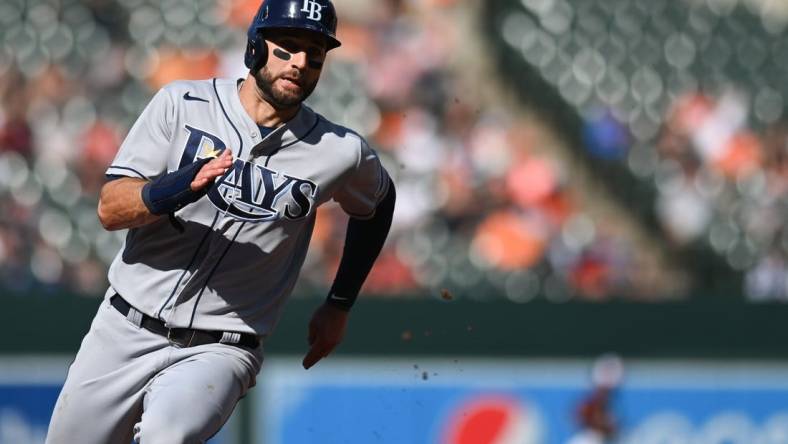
{"points": [[255, 141]]}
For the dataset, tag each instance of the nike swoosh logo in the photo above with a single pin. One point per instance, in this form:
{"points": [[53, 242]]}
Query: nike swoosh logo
{"points": [[338, 298], [187, 96]]}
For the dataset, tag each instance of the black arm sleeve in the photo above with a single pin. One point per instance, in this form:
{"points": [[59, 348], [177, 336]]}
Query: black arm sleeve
{"points": [[363, 241]]}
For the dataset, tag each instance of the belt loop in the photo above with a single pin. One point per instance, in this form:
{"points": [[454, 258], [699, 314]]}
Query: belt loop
{"points": [[135, 317], [229, 337]]}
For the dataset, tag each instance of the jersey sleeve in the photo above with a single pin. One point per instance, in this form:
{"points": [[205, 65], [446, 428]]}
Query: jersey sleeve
{"points": [[365, 186], [144, 152]]}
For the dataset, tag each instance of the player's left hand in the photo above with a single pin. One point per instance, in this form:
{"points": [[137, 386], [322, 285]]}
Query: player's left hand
{"points": [[326, 330]]}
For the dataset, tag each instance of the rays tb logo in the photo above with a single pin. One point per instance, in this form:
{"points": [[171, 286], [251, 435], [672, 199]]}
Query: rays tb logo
{"points": [[312, 8]]}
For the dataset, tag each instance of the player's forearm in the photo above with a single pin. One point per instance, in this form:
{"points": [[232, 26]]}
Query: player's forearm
{"points": [[363, 242], [120, 205]]}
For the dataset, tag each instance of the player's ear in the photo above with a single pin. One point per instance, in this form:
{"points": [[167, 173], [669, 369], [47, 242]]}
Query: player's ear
{"points": [[256, 53]]}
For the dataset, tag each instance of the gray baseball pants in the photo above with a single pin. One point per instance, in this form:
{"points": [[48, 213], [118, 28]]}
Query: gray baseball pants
{"points": [[127, 382]]}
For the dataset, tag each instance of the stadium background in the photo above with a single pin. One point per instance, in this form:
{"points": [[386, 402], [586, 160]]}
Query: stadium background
{"points": [[592, 203]]}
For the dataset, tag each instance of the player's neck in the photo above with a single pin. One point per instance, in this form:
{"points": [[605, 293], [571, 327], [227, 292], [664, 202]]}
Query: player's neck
{"points": [[262, 112]]}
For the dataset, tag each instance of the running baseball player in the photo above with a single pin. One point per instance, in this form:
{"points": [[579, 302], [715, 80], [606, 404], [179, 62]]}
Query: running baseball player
{"points": [[218, 182]]}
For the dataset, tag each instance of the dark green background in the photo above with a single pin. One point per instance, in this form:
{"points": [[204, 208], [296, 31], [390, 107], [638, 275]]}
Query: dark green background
{"points": [[704, 329]]}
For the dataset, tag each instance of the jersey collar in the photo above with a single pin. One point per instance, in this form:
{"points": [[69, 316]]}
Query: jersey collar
{"points": [[285, 135]]}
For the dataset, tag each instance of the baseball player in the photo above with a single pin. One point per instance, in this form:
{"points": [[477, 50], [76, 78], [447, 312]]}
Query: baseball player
{"points": [[218, 182]]}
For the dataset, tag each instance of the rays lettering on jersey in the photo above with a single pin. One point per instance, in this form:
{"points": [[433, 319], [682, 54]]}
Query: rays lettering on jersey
{"points": [[256, 193], [249, 191], [199, 145]]}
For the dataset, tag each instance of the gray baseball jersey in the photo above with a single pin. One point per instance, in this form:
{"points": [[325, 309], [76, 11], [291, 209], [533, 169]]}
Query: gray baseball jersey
{"points": [[231, 259]]}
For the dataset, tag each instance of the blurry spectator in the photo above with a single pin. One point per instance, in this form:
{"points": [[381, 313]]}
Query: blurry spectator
{"points": [[174, 64], [511, 240], [604, 136], [15, 135], [15, 132], [768, 280], [595, 416], [100, 143]]}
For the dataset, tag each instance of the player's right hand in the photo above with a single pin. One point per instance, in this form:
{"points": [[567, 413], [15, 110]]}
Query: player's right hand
{"points": [[326, 330], [212, 170]]}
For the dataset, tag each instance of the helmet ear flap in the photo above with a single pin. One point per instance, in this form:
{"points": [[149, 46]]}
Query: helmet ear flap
{"points": [[256, 53]]}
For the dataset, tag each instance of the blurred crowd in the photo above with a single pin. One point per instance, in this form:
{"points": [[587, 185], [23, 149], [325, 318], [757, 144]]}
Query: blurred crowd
{"points": [[484, 210], [724, 184], [688, 97]]}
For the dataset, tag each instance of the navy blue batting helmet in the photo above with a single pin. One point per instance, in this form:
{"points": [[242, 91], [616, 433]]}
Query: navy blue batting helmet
{"points": [[313, 15]]}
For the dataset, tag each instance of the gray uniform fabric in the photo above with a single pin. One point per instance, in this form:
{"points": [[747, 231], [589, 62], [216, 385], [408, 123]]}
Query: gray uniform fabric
{"points": [[128, 382], [243, 244], [228, 263]]}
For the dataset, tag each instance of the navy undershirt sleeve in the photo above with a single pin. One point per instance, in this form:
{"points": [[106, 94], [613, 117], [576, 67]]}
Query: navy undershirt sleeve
{"points": [[363, 241]]}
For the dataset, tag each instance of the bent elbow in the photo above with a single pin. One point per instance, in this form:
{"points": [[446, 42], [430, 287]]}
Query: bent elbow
{"points": [[107, 220]]}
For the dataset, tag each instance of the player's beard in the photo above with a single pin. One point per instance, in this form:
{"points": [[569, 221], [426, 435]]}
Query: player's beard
{"points": [[277, 97]]}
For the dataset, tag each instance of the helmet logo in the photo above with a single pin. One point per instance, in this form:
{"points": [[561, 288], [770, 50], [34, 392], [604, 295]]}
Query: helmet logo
{"points": [[312, 8]]}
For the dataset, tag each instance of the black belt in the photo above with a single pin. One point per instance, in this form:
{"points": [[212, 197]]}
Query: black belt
{"points": [[186, 337]]}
